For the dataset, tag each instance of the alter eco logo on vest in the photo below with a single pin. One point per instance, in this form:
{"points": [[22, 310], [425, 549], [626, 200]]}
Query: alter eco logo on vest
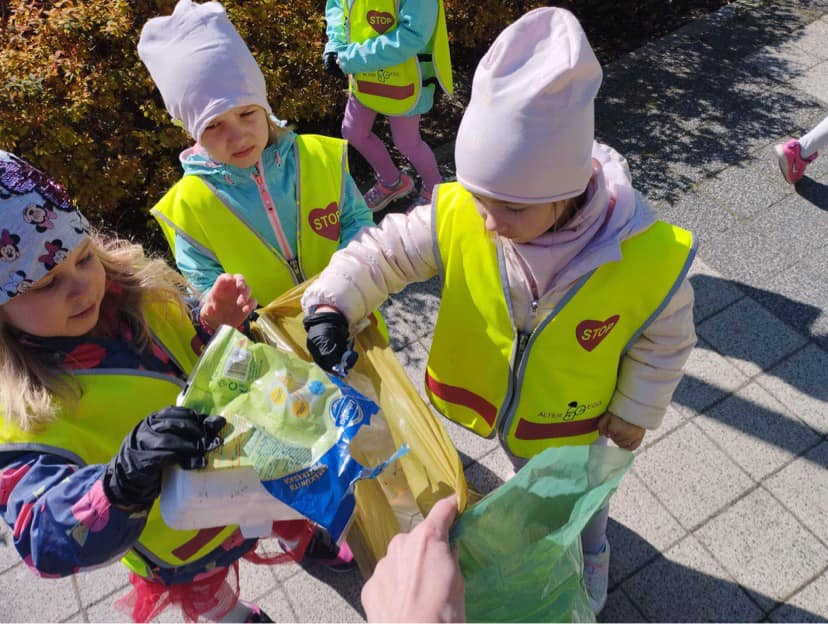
{"points": [[590, 333], [325, 221]]}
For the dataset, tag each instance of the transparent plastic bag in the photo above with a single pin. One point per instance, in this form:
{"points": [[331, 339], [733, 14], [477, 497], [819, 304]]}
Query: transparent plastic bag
{"points": [[520, 547]]}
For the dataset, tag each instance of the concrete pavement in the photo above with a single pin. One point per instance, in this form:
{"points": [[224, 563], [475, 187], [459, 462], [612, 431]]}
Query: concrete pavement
{"points": [[724, 515]]}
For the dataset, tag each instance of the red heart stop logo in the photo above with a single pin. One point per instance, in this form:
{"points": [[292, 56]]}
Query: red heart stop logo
{"points": [[380, 21], [590, 333], [325, 221]]}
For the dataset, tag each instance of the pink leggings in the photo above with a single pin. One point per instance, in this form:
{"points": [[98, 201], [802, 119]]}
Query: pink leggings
{"points": [[405, 132]]}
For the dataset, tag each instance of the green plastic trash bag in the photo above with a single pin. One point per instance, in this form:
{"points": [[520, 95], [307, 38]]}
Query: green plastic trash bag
{"points": [[520, 548]]}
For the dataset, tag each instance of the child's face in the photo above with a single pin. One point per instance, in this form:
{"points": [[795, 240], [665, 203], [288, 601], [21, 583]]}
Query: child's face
{"points": [[519, 222], [238, 136], [64, 302]]}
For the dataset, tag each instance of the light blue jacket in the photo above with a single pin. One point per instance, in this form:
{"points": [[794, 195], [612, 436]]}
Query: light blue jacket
{"points": [[416, 19], [236, 188]]}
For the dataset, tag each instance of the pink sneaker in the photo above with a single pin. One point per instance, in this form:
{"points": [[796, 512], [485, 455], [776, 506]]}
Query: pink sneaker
{"points": [[791, 162], [380, 195]]}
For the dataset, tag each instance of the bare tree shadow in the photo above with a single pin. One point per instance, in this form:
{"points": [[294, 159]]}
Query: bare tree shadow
{"points": [[716, 93]]}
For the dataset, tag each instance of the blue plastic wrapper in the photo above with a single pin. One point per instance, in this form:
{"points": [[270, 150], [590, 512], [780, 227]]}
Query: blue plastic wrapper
{"points": [[289, 421]]}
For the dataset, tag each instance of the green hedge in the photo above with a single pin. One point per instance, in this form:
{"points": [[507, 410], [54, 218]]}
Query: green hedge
{"points": [[76, 100]]}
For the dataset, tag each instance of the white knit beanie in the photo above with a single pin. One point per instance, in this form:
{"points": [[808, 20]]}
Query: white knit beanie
{"points": [[200, 64], [527, 133]]}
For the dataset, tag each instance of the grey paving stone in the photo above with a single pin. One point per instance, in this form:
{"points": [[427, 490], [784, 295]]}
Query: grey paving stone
{"points": [[756, 431], [8, 553], [708, 377], [713, 292], [750, 337], [800, 296], [255, 580], [640, 527], [620, 609], [812, 38], [703, 216], [764, 547], [687, 585], [276, 604], [489, 472], [690, 476], [410, 314], [802, 486], [469, 444], [23, 593], [75, 617], [780, 62], [330, 598], [674, 417], [795, 225], [801, 383], [105, 611], [93, 585], [282, 571], [814, 82], [747, 189], [810, 604]]}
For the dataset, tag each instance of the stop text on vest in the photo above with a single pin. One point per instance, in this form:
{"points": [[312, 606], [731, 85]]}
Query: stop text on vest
{"points": [[599, 332], [326, 220]]}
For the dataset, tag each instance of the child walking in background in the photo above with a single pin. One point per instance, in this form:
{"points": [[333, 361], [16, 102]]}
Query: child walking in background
{"points": [[256, 198], [96, 342], [795, 155], [565, 315], [395, 52]]}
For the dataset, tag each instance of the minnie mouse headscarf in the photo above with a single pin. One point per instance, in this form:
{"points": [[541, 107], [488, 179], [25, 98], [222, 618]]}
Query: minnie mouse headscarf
{"points": [[38, 225]]}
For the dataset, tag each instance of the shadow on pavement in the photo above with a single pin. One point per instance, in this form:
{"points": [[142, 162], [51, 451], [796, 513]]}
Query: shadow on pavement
{"points": [[814, 192], [667, 591]]}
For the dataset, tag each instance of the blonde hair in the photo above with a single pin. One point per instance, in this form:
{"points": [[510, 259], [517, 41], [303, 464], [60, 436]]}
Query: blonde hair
{"points": [[32, 385], [275, 131]]}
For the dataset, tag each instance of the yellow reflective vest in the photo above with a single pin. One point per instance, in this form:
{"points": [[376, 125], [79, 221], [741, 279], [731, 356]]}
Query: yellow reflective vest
{"points": [[395, 90], [548, 387], [193, 210], [112, 403]]}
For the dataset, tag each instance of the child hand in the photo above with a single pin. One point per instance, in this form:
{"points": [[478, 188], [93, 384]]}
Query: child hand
{"points": [[624, 434], [228, 302]]}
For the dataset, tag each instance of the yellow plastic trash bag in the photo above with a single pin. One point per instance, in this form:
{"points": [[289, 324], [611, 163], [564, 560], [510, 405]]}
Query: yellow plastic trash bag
{"points": [[430, 471]]}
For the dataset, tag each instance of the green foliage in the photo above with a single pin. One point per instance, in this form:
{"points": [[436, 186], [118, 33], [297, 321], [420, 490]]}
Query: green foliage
{"points": [[76, 100]]}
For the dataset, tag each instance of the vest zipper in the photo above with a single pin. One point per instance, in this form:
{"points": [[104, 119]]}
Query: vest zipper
{"points": [[523, 339], [273, 217]]}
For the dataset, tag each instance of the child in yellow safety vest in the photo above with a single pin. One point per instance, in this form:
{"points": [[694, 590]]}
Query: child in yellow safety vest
{"points": [[565, 315], [96, 342], [256, 198], [395, 54]]}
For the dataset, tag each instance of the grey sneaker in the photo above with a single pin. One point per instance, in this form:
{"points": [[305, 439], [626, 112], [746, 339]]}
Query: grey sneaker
{"points": [[596, 577]]}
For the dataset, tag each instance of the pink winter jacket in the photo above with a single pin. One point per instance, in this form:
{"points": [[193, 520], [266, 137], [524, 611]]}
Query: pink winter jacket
{"points": [[383, 260]]}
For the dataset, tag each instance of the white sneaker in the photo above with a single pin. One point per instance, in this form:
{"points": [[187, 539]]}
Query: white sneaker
{"points": [[596, 577]]}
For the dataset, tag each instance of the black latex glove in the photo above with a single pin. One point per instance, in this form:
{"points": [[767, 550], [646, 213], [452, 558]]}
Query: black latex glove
{"points": [[174, 435], [331, 66], [327, 339]]}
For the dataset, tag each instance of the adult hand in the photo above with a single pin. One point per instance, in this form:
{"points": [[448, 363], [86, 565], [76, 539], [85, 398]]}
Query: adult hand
{"points": [[327, 337], [228, 302], [419, 579], [173, 435], [624, 434], [331, 62]]}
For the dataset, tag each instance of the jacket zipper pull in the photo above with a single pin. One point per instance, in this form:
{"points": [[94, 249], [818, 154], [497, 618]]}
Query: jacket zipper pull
{"points": [[297, 270]]}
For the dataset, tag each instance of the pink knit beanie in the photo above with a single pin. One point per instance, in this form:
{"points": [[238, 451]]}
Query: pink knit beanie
{"points": [[200, 64], [527, 133]]}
